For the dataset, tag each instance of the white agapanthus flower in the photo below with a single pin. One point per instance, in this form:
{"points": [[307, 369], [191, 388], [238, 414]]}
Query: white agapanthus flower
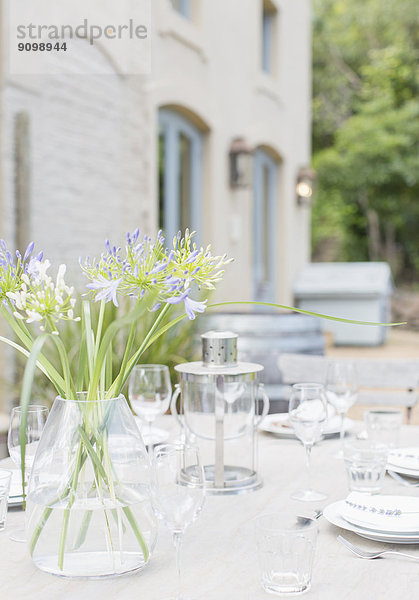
{"points": [[40, 299]]}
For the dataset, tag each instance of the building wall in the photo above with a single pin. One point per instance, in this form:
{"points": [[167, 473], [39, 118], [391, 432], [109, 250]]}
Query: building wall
{"points": [[93, 139], [87, 160], [210, 66]]}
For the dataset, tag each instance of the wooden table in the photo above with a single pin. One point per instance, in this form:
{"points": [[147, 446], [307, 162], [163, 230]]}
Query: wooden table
{"points": [[219, 553]]}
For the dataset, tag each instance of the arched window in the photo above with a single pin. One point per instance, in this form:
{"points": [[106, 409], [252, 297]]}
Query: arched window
{"points": [[180, 157], [265, 182]]}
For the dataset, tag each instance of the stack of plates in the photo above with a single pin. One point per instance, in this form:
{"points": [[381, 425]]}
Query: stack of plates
{"points": [[404, 461], [279, 425], [392, 519], [15, 493]]}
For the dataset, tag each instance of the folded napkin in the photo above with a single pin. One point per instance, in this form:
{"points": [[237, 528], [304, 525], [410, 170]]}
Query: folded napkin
{"points": [[332, 422], [406, 458], [332, 425], [390, 514]]}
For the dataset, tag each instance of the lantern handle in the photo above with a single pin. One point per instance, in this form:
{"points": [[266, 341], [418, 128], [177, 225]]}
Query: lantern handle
{"points": [[265, 399], [173, 408]]}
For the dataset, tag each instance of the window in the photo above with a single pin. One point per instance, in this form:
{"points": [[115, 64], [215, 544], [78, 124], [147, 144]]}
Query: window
{"points": [[264, 223], [268, 36], [180, 150], [183, 7]]}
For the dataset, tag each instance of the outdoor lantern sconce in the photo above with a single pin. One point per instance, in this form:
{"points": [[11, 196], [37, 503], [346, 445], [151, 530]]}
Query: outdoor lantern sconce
{"points": [[241, 164], [305, 186]]}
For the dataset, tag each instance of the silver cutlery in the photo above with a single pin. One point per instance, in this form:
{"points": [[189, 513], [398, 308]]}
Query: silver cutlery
{"points": [[370, 555], [402, 480], [307, 520]]}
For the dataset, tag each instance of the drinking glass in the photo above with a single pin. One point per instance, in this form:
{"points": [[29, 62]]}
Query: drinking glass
{"points": [[286, 546], [365, 464], [36, 419], [383, 426], [341, 391], [177, 491], [149, 392], [307, 412]]}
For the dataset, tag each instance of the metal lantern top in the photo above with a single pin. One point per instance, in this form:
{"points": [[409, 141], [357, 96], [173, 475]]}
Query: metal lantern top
{"points": [[219, 357]]}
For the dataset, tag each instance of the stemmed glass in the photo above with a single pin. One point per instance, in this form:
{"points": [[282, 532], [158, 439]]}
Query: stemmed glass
{"points": [[307, 412], [149, 392], [341, 391], [178, 491], [36, 419]]}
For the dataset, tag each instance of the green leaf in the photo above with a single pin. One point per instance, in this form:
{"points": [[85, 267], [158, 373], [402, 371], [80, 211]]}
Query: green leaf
{"points": [[91, 452], [82, 370], [109, 335], [90, 338], [25, 352]]}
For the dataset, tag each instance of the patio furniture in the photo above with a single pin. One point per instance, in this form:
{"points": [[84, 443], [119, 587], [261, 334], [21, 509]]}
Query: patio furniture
{"points": [[357, 290], [392, 382]]}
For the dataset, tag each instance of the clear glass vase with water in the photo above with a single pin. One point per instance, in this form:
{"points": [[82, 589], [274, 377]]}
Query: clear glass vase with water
{"points": [[89, 510]]}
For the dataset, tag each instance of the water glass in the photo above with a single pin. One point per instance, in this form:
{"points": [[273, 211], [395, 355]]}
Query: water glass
{"points": [[177, 491], [149, 391], [5, 479], [286, 546], [383, 426], [307, 412], [365, 464], [35, 422], [341, 391], [36, 418]]}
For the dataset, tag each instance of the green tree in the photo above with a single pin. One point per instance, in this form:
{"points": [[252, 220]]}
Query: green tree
{"points": [[365, 131]]}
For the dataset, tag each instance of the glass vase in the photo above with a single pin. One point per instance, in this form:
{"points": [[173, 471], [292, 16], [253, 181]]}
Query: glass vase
{"points": [[88, 512]]}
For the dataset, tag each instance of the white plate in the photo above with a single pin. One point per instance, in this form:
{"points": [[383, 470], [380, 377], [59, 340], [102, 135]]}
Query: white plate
{"points": [[395, 515], [404, 461], [332, 513], [278, 424], [409, 472]]}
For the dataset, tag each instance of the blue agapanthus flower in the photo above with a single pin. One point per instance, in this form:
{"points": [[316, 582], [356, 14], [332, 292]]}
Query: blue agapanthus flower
{"points": [[146, 265]]}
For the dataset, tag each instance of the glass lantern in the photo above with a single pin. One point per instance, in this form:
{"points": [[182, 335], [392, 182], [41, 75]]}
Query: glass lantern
{"points": [[218, 413]]}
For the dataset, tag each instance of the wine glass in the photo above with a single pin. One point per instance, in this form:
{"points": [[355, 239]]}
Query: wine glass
{"points": [[307, 412], [178, 491], [36, 419], [149, 392], [341, 391]]}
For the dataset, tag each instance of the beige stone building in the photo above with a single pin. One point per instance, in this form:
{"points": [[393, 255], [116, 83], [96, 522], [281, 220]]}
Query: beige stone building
{"points": [[212, 138]]}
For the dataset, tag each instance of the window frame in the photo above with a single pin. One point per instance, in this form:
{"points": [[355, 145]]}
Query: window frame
{"points": [[184, 8], [172, 125], [268, 33], [264, 290]]}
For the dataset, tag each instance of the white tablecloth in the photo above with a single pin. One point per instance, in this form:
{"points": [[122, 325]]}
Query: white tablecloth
{"points": [[219, 553]]}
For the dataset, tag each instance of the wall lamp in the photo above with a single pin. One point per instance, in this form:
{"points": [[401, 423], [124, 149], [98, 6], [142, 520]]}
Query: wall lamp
{"points": [[241, 164], [306, 178]]}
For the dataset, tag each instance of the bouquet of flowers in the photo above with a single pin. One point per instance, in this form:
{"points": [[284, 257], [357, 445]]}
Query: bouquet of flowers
{"points": [[156, 279]]}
